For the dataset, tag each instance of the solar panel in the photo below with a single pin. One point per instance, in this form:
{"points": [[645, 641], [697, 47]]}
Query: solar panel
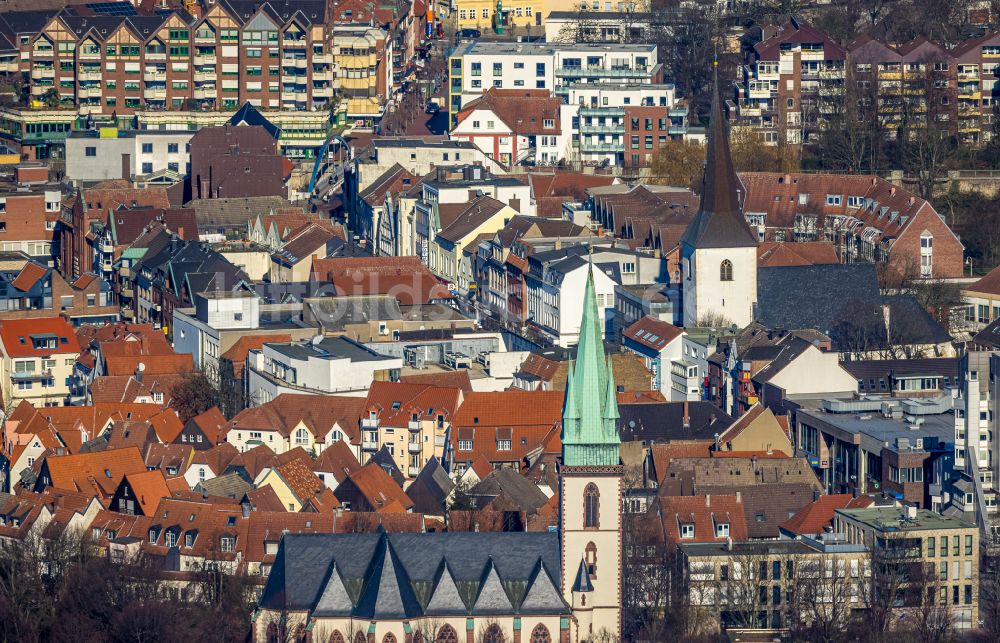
{"points": [[113, 8]]}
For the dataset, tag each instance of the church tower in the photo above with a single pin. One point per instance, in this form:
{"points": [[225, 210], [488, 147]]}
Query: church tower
{"points": [[718, 249], [590, 485]]}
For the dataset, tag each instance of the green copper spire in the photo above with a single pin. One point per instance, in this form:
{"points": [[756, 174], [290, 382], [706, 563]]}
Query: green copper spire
{"points": [[590, 408]]}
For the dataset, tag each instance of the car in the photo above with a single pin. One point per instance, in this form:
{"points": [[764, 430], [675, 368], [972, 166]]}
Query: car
{"points": [[469, 33], [432, 108]]}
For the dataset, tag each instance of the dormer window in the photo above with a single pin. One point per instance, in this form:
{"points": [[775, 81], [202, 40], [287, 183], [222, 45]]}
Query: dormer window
{"points": [[687, 530], [227, 544], [722, 530], [153, 536]]}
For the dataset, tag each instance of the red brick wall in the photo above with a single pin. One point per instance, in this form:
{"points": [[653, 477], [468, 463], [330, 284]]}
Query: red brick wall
{"points": [[948, 252], [652, 122]]}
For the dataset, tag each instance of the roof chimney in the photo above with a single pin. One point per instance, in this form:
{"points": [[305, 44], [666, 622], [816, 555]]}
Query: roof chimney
{"points": [[708, 500], [687, 416]]}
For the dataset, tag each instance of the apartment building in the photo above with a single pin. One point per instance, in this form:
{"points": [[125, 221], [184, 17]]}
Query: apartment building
{"points": [[788, 82], [29, 217], [411, 420], [794, 79], [272, 54], [363, 58], [476, 66], [919, 550], [624, 124], [36, 360], [109, 153], [750, 584]]}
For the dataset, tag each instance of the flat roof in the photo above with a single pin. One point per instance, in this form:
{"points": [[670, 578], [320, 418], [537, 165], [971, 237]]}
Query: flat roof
{"points": [[487, 48], [879, 429], [132, 133], [891, 519], [330, 348], [419, 142], [762, 547]]}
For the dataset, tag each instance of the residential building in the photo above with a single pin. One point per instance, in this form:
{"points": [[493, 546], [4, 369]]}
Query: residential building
{"points": [[326, 365], [450, 255], [866, 218], [789, 83], [909, 540], [750, 585], [363, 58], [109, 153], [35, 290], [476, 66], [660, 346], [37, 360], [515, 126], [421, 155], [216, 61], [405, 278]]}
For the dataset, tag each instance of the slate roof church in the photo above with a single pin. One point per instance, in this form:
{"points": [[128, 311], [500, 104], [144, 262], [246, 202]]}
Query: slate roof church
{"points": [[561, 586]]}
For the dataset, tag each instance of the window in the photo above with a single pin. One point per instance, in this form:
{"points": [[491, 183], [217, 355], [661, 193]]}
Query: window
{"points": [[90, 151], [591, 507], [147, 168], [172, 148], [722, 530], [147, 148], [302, 437], [503, 445], [687, 530], [726, 270], [227, 544], [834, 199], [590, 556], [465, 445]]}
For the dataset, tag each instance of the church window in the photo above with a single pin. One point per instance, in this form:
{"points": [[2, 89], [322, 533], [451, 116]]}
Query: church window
{"points": [[493, 634], [590, 556], [446, 635], [540, 634], [726, 270], [336, 637], [591, 506], [389, 638]]}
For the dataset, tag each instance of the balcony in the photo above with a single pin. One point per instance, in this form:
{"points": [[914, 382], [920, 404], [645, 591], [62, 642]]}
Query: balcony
{"points": [[154, 75], [41, 53], [156, 55], [127, 292], [602, 111], [128, 313], [204, 59], [603, 129], [369, 423], [89, 92], [296, 43], [615, 72], [202, 76], [609, 148], [749, 111], [324, 59], [413, 425], [23, 377], [89, 75], [326, 74], [369, 445], [296, 63], [205, 92], [43, 72], [155, 93], [323, 92], [412, 472], [414, 447]]}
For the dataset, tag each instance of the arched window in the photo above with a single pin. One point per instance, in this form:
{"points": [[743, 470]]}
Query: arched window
{"points": [[590, 556], [389, 638], [591, 507], [418, 637], [726, 270], [360, 637], [540, 634], [494, 634], [272, 633], [336, 637], [300, 633], [302, 437], [446, 635]]}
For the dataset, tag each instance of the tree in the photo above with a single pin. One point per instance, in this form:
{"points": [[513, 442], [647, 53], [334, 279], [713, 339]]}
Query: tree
{"points": [[851, 137], [679, 164], [194, 394]]}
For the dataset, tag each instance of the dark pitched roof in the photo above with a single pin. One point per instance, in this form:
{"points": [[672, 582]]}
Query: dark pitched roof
{"points": [[720, 222], [413, 574], [664, 421], [248, 115], [818, 296]]}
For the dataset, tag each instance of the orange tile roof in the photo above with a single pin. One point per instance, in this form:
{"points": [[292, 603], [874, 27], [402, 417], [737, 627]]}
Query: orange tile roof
{"points": [[406, 278], [988, 284], [526, 418], [29, 276], [237, 353], [704, 512], [149, 487], [817, 515], [378, 488], [458, 379], [319, 413], [771, 254], [653, 333], [212, 423], [663, 454], [395, 403], [168, 363], [300, 479], [337, 460], [16, 336], [98, 472], [640, 397]]}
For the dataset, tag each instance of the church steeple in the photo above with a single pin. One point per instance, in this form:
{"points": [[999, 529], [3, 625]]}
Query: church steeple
{"points": [[590, 408], [720, 222]]}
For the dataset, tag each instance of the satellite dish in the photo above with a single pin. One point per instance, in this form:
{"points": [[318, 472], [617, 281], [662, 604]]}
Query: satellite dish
{"points": [[141, 367], [631, 424], [317, 340]]}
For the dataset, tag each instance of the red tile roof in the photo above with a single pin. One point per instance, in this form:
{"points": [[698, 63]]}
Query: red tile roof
{"points": [[16, 335], [237, 353], [319, 414], [166, 363], [772, 254], [337, 460], [458, 379], [524, 111], [98, 472], [29, 276], [705, 513], [380, 489], [526, 418], [149, 487], [817, 515], [663, 454], [989, 284], [653, 333], [406, 278], [395, 403], [212, 423]]}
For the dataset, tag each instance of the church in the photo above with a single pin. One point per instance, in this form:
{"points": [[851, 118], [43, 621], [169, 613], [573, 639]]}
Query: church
{"points": [[718, 248], [519, 587]]}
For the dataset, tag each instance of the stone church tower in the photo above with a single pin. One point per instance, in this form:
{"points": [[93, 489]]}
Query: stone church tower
{"points": [[718, 249], [590, 485]]}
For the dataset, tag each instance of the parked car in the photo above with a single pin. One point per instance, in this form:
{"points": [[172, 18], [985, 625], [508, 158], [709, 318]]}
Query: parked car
{"points": [[432, 108], [469, 33]]}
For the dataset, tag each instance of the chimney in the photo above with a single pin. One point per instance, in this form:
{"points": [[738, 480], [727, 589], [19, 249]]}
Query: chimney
{"points": [[246, 509], [708, 500], [815, 495], [687, 416], [729, 543], [892, 191], [739, 496]]}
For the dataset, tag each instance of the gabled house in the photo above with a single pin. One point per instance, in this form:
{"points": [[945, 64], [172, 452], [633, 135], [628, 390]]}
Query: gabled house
{"points": [[371, 489], [99, 473]]}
